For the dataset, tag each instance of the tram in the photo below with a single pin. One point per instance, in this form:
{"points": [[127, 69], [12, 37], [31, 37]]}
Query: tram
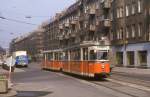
{"points": [[84, 60]]}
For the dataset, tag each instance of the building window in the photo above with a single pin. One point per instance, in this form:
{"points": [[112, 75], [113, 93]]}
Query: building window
{"points": [[121, 12], [118, 34], [149, 11], [139, 29], [133, 30], [133, 8], [121, 33], [127, 32], [118, 13], [111, 16], [111, 35], [139, 6], [127, 10]]}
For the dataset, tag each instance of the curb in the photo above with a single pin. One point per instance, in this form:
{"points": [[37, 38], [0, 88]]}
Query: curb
{"points": [[10, 93]]}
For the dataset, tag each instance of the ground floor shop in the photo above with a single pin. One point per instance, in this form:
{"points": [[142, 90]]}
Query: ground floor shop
{"points": [[132, 55]]}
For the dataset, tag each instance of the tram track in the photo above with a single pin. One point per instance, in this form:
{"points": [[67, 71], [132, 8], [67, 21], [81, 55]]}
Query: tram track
{"points": [[130, 79], [114, 89], [124, 88], [106, 83]]}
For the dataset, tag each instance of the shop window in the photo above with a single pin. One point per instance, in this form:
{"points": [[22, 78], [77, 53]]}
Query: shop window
{"points": [[143, 57], [119, 57], [130, 58]]}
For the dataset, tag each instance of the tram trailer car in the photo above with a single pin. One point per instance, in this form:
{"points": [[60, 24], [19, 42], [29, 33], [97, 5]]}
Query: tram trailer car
{"points": [[90, 62]]}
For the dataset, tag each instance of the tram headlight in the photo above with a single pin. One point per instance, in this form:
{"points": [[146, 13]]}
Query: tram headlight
{"points": [[103, 66]]}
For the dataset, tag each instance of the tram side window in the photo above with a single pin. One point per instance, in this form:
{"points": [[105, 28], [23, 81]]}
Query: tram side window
{"points": [[44, 56], [50, 56], [77, 55], [92, 55], [56, 56], [85, 54], [60, 56], [66, 56]]}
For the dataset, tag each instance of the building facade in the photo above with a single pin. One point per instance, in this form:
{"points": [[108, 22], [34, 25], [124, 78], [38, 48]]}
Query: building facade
{"points": [[130, 33], [31, 42]]}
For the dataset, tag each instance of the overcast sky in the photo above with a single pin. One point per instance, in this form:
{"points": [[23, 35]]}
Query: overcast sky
{"points": [[39, 10]]}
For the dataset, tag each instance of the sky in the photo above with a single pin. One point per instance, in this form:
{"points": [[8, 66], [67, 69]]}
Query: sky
{"points": [[38, 10]]}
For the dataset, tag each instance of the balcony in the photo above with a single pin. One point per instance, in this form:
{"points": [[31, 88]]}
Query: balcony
{"points": [[81, 18], [73, 22], [61, 27], [66, 24], [106, 23], [66, 36], [73, 34], [60, 37], [106, 4], [92, 28], [92, 11]]}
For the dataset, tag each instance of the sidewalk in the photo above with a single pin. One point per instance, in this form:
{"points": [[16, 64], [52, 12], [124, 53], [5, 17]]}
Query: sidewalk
{"points": [[126, 70], [11, 92]]}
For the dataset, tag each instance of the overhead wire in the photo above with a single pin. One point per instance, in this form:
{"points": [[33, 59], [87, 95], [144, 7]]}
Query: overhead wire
{"points": [[18, 21]]}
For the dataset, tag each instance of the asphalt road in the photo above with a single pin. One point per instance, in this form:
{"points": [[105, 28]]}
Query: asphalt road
{"points": [[34, 82]]}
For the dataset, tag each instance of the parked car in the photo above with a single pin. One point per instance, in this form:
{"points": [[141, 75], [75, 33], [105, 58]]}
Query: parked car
{"points": [[6, 64]]}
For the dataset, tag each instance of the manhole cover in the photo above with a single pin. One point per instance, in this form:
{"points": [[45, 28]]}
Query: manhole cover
{"points": [[31, 93]]}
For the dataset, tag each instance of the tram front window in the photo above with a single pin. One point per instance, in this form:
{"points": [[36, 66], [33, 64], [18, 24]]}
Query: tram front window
{"points": [[102, 55], [98, 55]]}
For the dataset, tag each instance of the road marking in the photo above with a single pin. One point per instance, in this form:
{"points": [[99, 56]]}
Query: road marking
{"points": [[19, 70], [130, 85]]}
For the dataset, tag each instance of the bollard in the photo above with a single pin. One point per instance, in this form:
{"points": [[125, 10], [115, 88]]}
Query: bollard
{"points": [[3, 84]]}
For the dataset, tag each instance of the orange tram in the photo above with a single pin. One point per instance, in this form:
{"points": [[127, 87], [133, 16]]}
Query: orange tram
{"points": [[89, 61]]}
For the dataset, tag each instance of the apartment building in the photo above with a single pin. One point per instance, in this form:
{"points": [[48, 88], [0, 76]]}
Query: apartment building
{"points": [[130, 33], [121, 25], [31, 42], [85, 23]]}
